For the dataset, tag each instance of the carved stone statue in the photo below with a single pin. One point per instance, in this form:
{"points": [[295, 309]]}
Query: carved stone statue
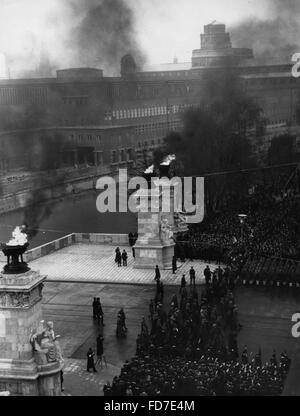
{"points": [[165, 229], [45, 344], [180, 222]]}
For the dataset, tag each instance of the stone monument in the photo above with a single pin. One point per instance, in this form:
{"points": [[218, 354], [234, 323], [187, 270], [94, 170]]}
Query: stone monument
{"points": [[155, 244], [30, 358], [160, 219]]}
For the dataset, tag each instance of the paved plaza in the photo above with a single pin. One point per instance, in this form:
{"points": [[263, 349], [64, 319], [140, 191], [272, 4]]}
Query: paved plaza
{"points": [[265, 315], [95, 263], [78, 273]]}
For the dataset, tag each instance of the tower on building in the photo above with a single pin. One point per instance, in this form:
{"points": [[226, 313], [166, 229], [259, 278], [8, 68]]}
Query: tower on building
{"points": [[128, 66], [216, 49]]}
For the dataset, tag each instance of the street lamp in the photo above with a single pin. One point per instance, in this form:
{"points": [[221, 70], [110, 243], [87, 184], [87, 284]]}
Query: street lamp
{"points": [[242, 218]]}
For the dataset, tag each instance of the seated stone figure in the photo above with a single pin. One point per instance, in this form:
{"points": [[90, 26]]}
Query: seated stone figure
{"points": [[45, 344]]}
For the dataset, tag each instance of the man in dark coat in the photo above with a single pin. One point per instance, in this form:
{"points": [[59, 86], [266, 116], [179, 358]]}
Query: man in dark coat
{"points": [[62, 380], [192, 276], [183, 282], [90, 361], [131, 239], [118, 258], [123, 318], [94, 308], [174, 265], [157, 273], [207, 275], [124, 257], [99, 312], [117, 251]]}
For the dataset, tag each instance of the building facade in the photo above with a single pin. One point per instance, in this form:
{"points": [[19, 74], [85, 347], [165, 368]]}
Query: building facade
{"points": [[112, 120]]}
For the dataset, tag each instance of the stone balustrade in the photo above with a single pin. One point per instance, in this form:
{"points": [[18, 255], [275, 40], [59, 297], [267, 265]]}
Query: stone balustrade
{"points": [[68, 240]]}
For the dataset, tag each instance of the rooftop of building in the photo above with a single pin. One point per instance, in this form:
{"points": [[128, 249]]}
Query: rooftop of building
{"points": [[216, 42]]}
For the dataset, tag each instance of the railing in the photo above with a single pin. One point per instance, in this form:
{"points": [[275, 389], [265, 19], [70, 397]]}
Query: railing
{"points": [[68, 240]]}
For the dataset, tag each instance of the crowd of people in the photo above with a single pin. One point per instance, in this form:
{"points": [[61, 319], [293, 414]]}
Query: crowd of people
{"points": [[190, 347], [208, 376], [271, 228]]}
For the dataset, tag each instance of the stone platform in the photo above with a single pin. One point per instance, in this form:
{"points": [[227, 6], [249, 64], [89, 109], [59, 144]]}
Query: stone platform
{"points": [[95, 264]]}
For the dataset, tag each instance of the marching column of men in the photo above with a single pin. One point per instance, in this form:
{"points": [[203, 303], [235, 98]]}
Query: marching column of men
{"points": [[190, 347]]}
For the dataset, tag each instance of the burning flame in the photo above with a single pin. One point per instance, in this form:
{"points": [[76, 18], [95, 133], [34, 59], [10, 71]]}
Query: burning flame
{"points": [[20, 238], [150, 169], [167, 160]]}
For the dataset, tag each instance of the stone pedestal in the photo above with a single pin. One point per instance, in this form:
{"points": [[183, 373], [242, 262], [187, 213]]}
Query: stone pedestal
{"points": [[150, 248], [155, 244], [20, 316]]}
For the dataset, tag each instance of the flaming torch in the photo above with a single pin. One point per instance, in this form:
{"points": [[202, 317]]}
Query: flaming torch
{"points": [[14, 251]]}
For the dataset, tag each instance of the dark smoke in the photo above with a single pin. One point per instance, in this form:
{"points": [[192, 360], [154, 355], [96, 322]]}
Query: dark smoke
{"points": [[275, 38], [43, 156], [77, 33], [36, 212], [105, 34]]}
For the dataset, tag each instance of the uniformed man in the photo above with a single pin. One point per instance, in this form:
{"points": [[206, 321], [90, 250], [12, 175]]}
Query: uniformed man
{"points": [[99, 312], [192, 276], [90, 361], [174, 265], [207, 275]]}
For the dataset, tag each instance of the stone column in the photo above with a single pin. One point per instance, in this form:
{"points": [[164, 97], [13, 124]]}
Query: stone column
{"points": [[20, 315]]}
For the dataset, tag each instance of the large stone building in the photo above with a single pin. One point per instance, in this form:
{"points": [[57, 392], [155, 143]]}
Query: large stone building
{"points": [[112, 120]]}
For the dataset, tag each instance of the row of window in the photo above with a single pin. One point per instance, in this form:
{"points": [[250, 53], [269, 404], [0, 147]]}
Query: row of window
{"points": [[153, 127], [276, 122], [164, 89], [84, 138], [121, 155], [78, 101], [145, 111], [164, 74], [153, 142], [21, 95]]}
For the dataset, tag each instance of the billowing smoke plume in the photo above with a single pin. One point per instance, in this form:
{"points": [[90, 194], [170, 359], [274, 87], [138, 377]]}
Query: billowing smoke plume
{"points": [[44, 36], [106, 34], [274, 39]]}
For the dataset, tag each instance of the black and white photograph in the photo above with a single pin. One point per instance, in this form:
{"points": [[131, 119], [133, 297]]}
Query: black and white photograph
{"points": [[149, 201]]}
